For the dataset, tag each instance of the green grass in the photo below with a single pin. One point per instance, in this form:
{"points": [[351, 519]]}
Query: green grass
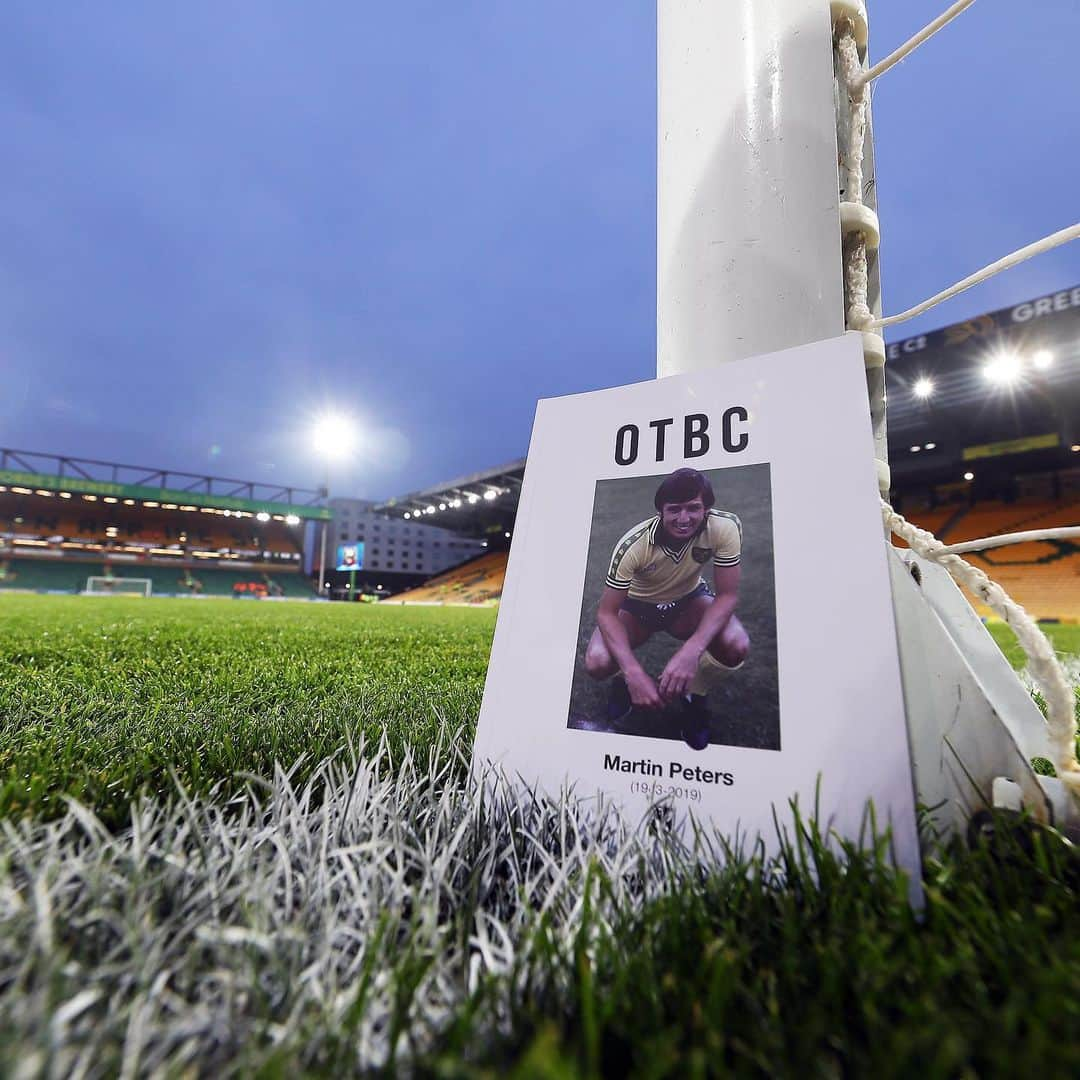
{"points": [[101, 698], [379, 911], [1065, 639], [825, 971]]}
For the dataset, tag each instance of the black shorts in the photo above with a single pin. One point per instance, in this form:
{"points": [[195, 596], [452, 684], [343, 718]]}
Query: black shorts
{"points": [[658, 616]]}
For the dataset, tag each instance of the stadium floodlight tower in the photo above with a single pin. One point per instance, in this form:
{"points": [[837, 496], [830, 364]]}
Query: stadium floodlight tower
{"points": [[333, 438], [754, 226]]}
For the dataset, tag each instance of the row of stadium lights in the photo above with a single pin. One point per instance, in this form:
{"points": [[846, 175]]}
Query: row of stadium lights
{"points": [[1075, 448], [175, 552], [150, 504], [472, 498], [1004, 369]]}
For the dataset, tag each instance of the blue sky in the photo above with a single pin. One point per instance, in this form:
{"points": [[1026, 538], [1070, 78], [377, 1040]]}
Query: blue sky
{"points": [[217, 219]]}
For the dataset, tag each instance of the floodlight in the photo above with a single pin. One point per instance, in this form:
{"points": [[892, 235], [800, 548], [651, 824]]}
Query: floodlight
{"points": [[407, 515], [489, 495], [429, 509], [1043, 359], [924, 387], [1004, 369], [456, 503], [442, 506], [930, 446], [916, 449], [333, 436], [291, 519], [969, 476], [473, 499], [262, 515], [507, 535], [1075, 448]]}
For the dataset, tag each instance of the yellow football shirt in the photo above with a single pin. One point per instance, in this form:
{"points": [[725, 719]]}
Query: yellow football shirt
{"points": [[644, 566]]}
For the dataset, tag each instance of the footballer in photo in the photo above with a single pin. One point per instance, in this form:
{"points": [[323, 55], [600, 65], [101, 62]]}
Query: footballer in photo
{"points": [[677, 638]]}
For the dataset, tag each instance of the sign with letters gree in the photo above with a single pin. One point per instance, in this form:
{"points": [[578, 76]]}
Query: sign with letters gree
{"points": [[697, 609]]}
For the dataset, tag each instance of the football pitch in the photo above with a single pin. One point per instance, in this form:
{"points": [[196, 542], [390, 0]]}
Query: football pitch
{"points": [[102, 697], [308, 884]]}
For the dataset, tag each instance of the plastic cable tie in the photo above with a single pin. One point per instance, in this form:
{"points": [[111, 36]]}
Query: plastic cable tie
{"points": [[855, 10], [858, 218], [884, 476], [873, 349]]}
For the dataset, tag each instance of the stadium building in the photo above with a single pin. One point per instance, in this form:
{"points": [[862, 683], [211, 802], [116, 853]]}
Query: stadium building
{"points": [[482, 507], [984, 439], [396, 554], [79, 525]]}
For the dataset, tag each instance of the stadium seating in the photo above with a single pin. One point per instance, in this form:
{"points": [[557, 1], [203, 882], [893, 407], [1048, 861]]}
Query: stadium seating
{"points": [[67, 576], [206, 532], [1042, 576], [1048, 591], [42, 575], [931, 520], [478, 581]]}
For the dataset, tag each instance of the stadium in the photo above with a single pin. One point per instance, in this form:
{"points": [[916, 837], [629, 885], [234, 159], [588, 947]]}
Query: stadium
{"points": [[133, 549], [984, 439], [242, 830]]}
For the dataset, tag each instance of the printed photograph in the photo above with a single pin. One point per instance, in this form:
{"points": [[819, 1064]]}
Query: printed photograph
{"points": [[677, 638]]}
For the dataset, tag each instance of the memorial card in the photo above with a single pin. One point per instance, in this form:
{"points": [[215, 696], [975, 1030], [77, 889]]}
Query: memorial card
{"points": [[697, 608]]}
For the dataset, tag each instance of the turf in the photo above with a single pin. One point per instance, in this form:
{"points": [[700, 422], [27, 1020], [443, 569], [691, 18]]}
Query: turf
{"points": [[1064, 637], [377, 918], [102, 698], [402, 925]]}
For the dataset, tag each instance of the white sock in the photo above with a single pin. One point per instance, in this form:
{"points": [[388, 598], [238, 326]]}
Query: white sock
{"points": [[710, 672]]}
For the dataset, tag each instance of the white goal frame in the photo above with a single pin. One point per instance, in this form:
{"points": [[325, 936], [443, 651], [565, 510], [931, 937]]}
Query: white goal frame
{"points": [[750, 260], [129, 586]]}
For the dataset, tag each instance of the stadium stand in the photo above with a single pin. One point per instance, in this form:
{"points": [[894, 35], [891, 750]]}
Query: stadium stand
{"points": [[39, 575], [932, 520], [61, 575], [479, 581], [158, 529], [1042, 576], [1049, 591], [64, 520], [981, 447]]}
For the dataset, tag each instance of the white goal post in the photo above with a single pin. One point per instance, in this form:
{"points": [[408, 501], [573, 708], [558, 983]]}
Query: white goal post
{"points": [[751, 246], [118, 586]]}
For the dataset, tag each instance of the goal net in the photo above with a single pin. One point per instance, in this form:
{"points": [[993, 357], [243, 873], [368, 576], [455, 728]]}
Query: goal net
{"points": [[118, 586]]}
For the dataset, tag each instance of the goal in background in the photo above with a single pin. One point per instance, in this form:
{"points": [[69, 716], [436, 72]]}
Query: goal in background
{"points": [[118, 586]]}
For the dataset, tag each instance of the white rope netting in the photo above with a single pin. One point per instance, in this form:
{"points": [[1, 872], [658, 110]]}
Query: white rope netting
{"points": [[912, 43], [860, 233], [1046, 671]]}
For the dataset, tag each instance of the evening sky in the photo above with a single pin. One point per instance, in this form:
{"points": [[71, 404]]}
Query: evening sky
{"points": [[219, 218]]}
